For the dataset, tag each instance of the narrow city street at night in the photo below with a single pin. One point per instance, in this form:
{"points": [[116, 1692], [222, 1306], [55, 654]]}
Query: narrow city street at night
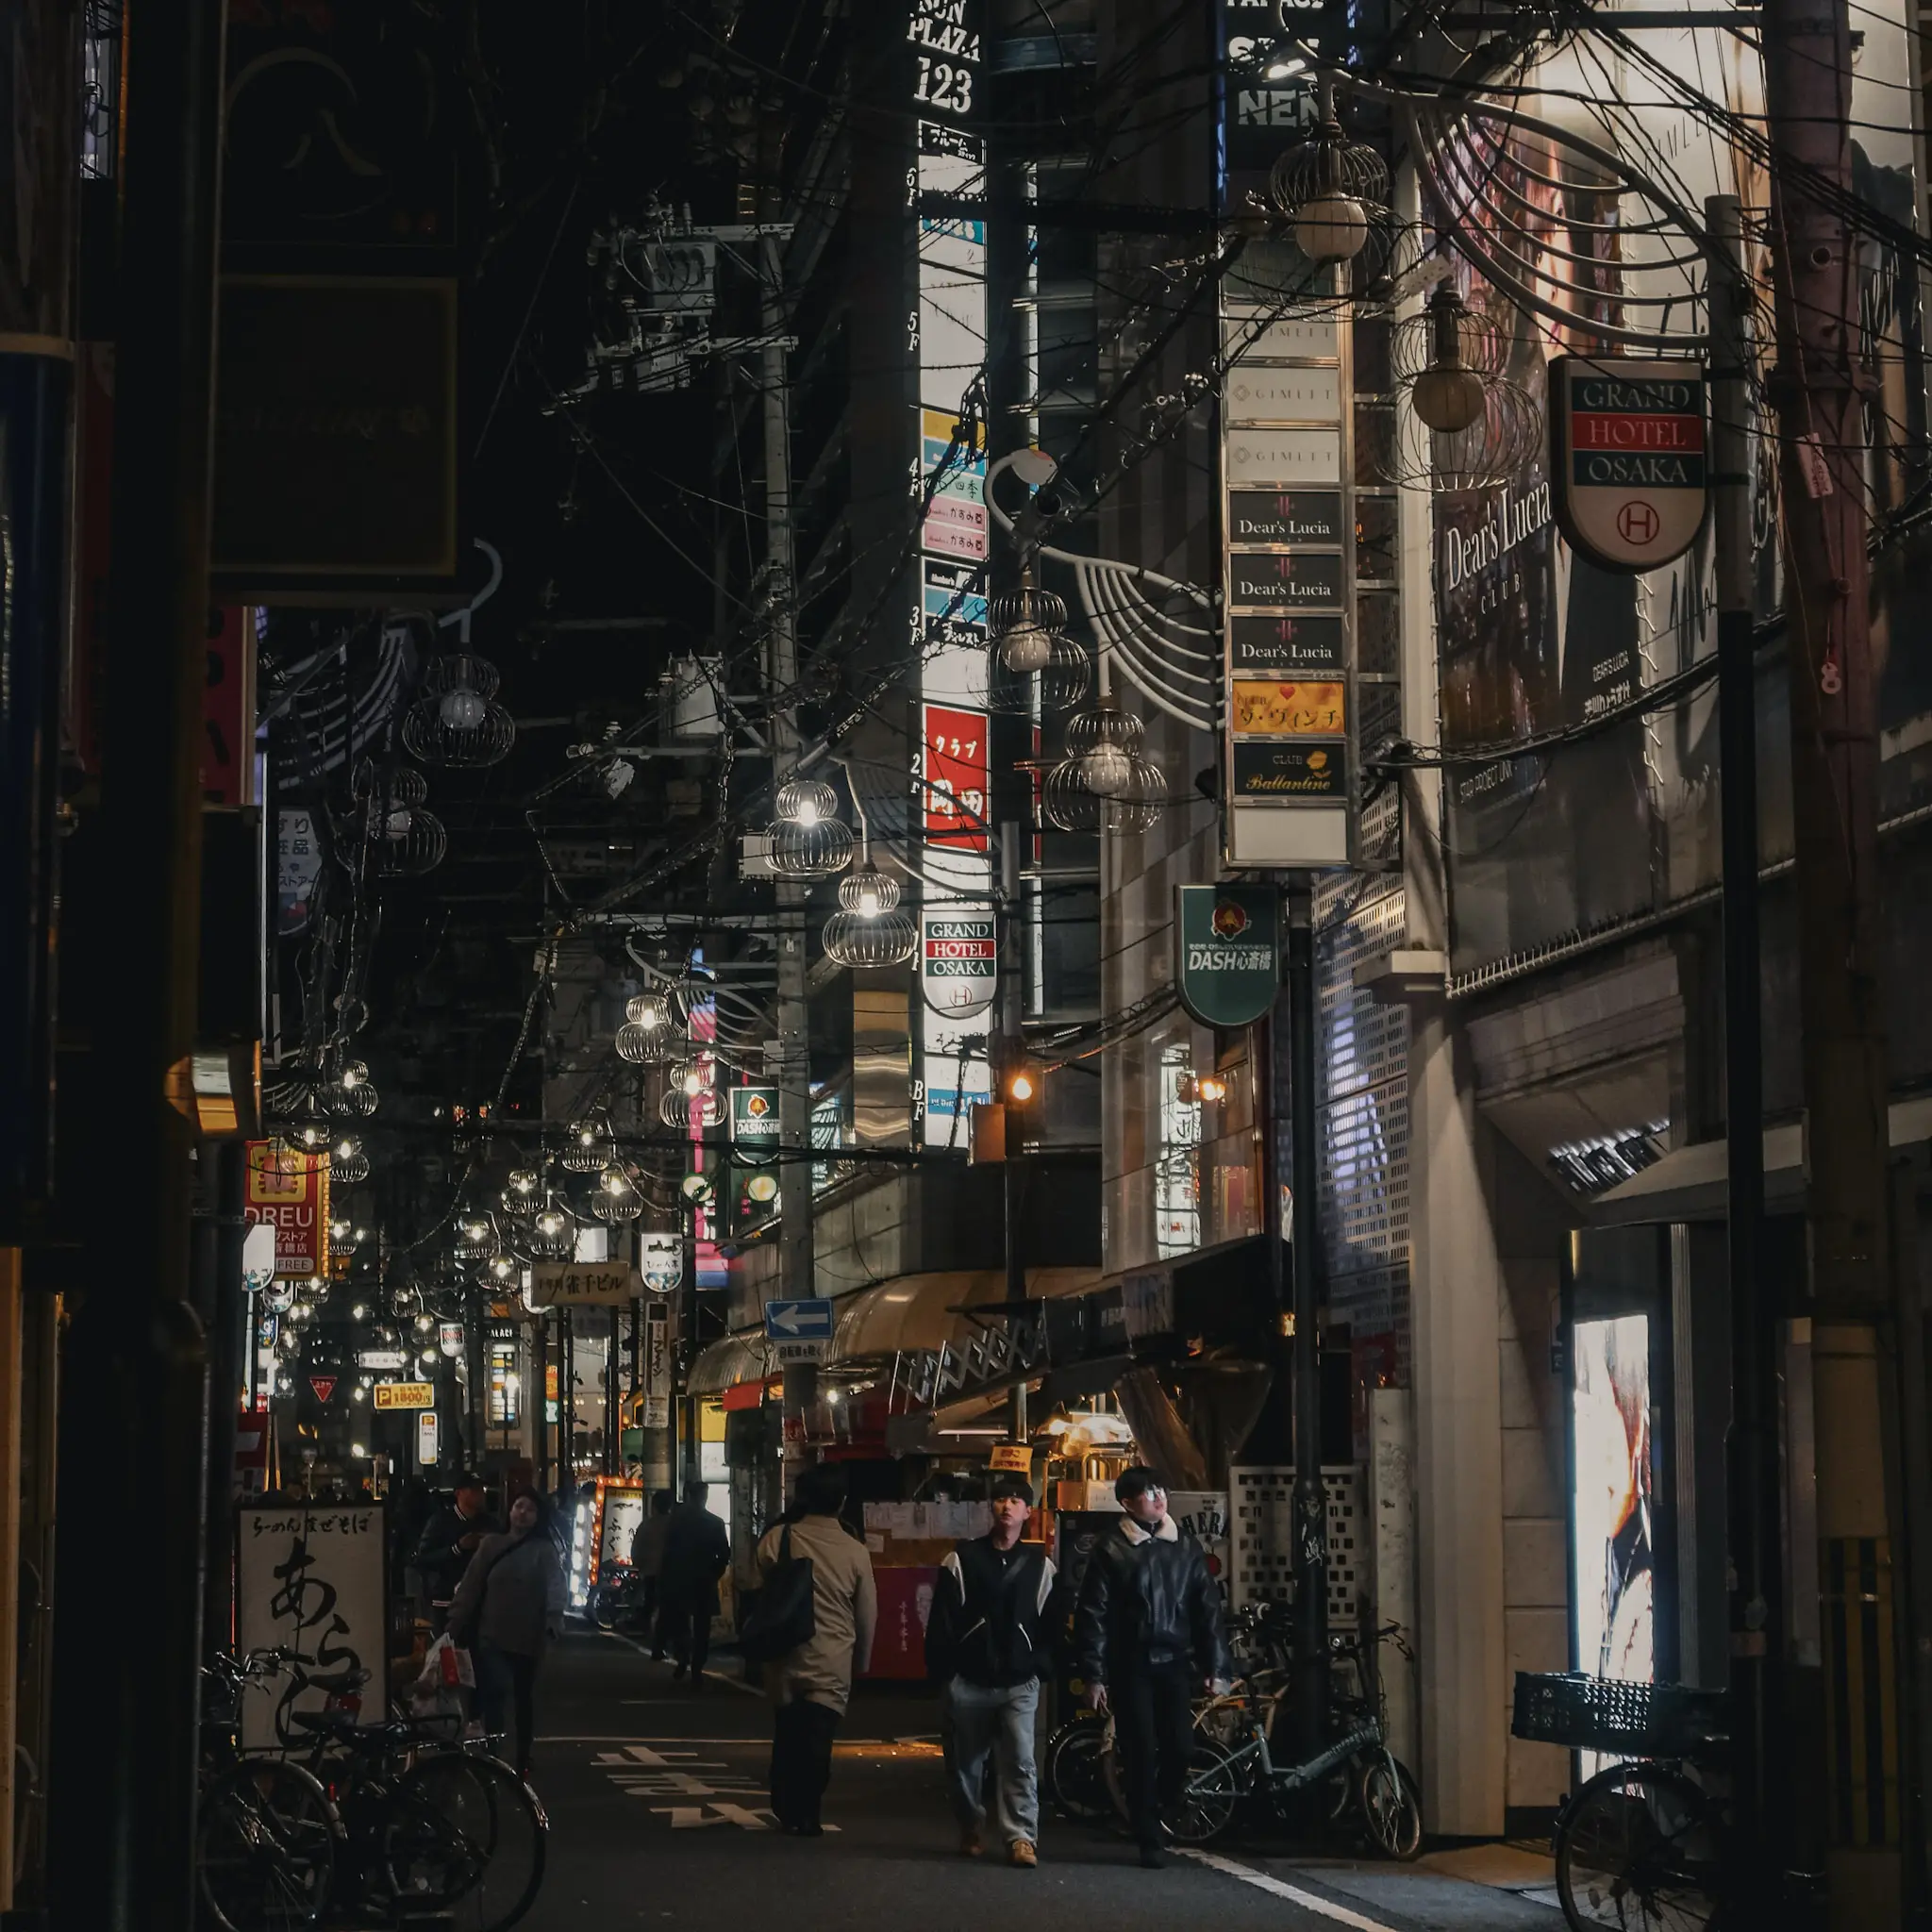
{"points": [[962, 965], [659, 1818]]}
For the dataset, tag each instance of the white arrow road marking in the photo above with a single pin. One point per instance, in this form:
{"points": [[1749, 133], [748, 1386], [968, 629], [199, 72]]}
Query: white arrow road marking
{"points": [[1308, 1901]]}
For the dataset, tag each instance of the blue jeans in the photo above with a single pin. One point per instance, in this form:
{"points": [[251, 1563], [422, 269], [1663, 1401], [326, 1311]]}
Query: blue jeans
{"points": [[977, 1722]]}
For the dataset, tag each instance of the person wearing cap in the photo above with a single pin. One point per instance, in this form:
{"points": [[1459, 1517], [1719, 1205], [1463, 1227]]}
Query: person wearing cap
{"points": [[987, 1646], [1147, 1635], [450, 1539]]}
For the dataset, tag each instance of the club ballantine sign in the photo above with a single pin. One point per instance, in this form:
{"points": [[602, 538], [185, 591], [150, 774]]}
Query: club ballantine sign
{"points": [[1226, 959], [1626, 446]]}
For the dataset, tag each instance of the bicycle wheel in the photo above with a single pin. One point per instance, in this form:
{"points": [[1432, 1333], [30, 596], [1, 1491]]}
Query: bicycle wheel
{"points": [[1392, 1807], [466, 1834], [1076, 1776], [1211, 1796], [265, 1847], [1638, 1848]]}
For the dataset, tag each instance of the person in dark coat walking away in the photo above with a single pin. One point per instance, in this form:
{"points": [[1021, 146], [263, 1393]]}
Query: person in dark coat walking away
{"points": [[450, 1539], [506, 1611], [811, 1685], [647, 1561], [1148, 1637], [697, 1552], [987, 1645]]}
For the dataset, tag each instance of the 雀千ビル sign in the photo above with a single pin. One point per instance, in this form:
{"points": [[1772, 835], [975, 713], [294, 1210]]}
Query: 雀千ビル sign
{"points": [[583, 1284]]}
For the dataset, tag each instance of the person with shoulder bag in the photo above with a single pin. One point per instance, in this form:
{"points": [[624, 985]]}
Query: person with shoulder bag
{"points": [[987, 1646], [507, 1612], [810, 1661]]}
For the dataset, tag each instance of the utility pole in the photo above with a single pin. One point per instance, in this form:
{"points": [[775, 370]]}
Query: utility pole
{"points": [[122, 1820], [1818, 387], [1309, 1563], [781, 682], [1752, 1451]]}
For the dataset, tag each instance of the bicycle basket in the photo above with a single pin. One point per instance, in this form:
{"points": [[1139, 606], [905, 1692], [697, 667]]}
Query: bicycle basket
{"points": [[1607, 1715]]}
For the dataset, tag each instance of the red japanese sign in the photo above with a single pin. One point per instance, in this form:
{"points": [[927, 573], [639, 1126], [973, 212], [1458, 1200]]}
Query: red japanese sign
{"points": [[288, 1189], [957, 769], [324, 1386]]}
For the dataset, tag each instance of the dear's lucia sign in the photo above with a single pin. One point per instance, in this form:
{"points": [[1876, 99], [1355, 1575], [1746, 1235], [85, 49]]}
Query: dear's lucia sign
{"points": [[1627, 457], [1227, 961]]}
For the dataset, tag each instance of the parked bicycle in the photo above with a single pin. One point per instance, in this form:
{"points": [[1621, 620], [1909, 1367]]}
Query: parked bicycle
{"points": [[1355, 1775], [1647, 1843], [386, 1816], [1233, 1770]]}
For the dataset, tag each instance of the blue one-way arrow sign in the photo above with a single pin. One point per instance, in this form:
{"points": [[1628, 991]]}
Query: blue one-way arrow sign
{"points": [[808, 1320]]}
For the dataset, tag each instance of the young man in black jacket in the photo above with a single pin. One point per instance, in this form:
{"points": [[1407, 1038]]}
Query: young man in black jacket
{"points": [[1148, 1637], [987, 1647]]}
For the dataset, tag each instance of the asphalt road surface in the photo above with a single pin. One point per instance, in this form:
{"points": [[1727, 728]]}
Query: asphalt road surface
{"points": [[657, 1810]]}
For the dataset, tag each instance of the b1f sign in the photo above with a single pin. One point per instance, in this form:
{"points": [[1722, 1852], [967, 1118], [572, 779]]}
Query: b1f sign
{"points": [[1626, 455]]}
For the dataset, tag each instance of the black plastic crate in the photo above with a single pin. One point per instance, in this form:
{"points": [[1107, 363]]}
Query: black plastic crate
{"points": [[1607, 1715]]}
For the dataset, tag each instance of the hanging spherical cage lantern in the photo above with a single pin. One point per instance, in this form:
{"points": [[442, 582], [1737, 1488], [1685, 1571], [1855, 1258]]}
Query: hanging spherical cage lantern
{"points": [[357, 1103], [1060, 684], [806, 802], [1023, 626], [644, 1046], [1496, 447], [413, 842], [690, 1076], [1103, 743], [552, 1234], [387, 794], [650, 1010], [615, 1200], [868, 892], [454, 721], [1446, 357], [681, 1109], [585, 1151], [808, 840], [1069, 803], [1333, 192]]}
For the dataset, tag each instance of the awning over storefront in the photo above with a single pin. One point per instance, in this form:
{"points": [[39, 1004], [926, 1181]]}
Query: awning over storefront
{"points": [[910, 1312], [1692, 1183], [915, 1311], [726, 1363]]}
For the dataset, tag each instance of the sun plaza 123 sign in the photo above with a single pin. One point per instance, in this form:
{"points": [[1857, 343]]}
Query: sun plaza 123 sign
{"points": [[1227, 964], [1627, 457]]}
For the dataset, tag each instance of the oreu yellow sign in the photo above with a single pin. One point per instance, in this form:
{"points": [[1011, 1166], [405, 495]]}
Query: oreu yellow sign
{"points": [[406, 1395]]}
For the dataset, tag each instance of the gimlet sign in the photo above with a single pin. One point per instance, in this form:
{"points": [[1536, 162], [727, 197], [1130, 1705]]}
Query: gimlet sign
{"points": [[1627, 457]]}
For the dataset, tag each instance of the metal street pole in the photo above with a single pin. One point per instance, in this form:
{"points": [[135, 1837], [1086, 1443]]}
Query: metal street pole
{"points": [[1752, 1478], [122, 1818], [1013, 1117], [1309, 1563], [782, 675], [1820, 387]]}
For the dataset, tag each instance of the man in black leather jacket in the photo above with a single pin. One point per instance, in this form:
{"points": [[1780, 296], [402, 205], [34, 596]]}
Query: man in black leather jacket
{"points": [[1147, 1633]]}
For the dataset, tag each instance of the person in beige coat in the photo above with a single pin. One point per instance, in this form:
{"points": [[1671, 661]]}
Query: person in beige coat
{"points": [[812, 1686]]}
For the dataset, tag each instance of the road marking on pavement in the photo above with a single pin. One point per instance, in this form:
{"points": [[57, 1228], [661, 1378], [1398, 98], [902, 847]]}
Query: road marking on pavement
{"points": [[1308, 1901], [716, 1676]]}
